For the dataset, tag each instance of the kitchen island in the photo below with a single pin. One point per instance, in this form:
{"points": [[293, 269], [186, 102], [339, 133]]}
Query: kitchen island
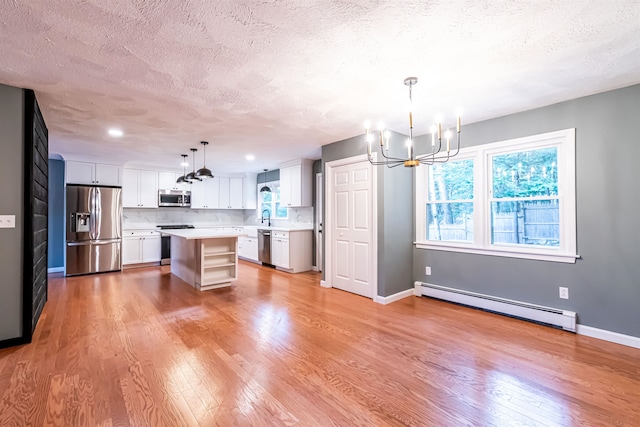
{"points": [[205, 259]]}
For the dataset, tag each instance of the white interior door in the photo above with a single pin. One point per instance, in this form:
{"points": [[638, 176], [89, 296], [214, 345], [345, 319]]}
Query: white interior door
{"points": [[319, 215], [352, 228]]}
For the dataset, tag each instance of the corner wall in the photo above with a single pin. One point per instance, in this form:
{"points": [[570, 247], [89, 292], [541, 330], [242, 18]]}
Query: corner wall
{"points": [[604, 284], [56, 234], [11, 194], [395, 214]]}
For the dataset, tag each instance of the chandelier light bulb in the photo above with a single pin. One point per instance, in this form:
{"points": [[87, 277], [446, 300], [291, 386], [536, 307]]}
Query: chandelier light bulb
{"points": [[438, 118], [380, 126], [367, 124]]}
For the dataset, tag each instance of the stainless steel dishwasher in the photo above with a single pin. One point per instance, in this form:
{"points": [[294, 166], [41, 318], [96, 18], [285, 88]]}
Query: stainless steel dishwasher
{"points": [[264, 246]]}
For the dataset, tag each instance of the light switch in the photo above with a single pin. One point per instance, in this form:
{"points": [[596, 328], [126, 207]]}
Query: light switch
{"points": [[7, 221]]}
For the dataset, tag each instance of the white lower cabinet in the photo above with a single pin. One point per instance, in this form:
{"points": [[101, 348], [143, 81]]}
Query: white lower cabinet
{"points": [[291, 250], [280, 249], [248, 248], [140, 247]]}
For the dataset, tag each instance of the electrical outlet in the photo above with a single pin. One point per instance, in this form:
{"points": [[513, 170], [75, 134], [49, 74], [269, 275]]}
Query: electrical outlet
{"points": [[427, 271], [564, 293], [7, 221]]}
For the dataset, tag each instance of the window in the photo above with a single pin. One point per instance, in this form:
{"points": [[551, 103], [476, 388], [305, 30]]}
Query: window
{"points": [[450, 201], [512, 198], [270, 201]]}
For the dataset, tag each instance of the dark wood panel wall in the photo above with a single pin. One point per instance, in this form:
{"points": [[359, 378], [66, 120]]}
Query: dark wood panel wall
{"points": [[36, 215]]}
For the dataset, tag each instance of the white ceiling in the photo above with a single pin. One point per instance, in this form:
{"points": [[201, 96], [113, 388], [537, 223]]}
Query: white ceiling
{"points": [[278, 79]]}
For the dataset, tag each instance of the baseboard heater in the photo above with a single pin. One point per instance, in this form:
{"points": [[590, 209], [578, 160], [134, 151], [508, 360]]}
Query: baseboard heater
{"points": [[538, 313]]}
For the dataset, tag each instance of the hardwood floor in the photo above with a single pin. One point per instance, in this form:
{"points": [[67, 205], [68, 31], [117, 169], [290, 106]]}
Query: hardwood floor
{"points": [[142, 348]]}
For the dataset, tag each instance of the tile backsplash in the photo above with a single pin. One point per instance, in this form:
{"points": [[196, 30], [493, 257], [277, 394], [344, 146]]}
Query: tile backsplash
{"points": [[136, 218], [133, 217]]}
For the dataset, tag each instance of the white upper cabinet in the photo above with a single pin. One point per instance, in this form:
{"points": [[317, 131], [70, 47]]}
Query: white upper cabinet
{"points": [[296, 183], [205, 194], [231, 190], [169, 181], [250, 192], [139, 189], [92, 173], [236, 199]]}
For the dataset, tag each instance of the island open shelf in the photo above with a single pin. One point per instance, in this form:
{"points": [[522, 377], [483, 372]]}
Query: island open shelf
{"points": [[203, 258]]}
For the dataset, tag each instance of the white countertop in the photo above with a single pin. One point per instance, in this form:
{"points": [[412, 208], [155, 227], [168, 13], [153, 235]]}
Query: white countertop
{"points": [[201, 234], [287, 228], [209, 227]]}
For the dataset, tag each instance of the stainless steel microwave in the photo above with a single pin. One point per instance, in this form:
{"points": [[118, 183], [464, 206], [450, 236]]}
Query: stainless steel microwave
{"points": [[174, 198]]}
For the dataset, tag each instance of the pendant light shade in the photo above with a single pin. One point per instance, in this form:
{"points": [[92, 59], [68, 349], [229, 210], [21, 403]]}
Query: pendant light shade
{"points": [[191, 176], [181, 179], [204, 172], [265, 188]]}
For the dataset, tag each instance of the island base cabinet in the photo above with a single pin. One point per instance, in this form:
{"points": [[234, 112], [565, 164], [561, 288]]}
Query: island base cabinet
{"points": [[205, 264], [218, 261]]}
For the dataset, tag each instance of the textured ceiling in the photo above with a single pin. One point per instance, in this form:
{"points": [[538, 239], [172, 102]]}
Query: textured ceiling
{"points": [[278, 79]]}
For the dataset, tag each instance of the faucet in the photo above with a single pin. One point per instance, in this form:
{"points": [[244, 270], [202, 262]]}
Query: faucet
{"points": [[268, 217]]}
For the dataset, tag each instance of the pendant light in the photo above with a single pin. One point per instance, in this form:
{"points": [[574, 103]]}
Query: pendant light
{"points": [[265, 188], [191, 176], [204, 172], [181, 179]]}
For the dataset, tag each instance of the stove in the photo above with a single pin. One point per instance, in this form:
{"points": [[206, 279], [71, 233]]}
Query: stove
{"points": [[175, 227], [165, 241]]}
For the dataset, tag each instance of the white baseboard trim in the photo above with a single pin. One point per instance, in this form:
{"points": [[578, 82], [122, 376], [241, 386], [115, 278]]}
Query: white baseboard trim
{"points": [[605, 335], [314, 268], [55, 269], [324, 284], [393, 298]]}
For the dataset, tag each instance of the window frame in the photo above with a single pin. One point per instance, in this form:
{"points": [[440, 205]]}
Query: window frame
{"points": [[564, 141], [463, 155], [274, 185]]}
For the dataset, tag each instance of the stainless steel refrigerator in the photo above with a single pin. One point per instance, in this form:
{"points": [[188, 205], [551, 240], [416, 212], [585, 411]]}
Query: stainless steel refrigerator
{"points": [[94, 229]]}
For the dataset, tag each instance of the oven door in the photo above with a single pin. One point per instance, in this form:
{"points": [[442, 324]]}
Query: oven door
{"points": [[165, 250], [169, 199]]}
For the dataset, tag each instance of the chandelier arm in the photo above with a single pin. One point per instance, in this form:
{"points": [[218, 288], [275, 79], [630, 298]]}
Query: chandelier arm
{"points": [[375, 163], [380, 163], [397, 159], [438, 159]]}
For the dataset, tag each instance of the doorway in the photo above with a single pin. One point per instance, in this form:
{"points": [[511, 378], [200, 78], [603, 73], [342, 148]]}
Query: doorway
{"points": [[351, 245], [318, 225]]}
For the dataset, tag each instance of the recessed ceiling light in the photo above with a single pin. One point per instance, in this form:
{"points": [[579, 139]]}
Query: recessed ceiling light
{"points": [[250, 157], [115, 132]]}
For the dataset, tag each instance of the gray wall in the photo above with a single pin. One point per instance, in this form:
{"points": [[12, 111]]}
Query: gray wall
{"points": [[56, 214], [273, 175], [395, 214], [604, 285], [11, 190]]}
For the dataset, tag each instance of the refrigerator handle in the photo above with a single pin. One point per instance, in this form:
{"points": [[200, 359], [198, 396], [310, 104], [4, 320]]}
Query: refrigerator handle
{"points": [[72, 222], [92, 208]]}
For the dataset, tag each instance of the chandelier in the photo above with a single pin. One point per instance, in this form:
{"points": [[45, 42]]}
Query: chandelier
{"points": [[437, 154]]}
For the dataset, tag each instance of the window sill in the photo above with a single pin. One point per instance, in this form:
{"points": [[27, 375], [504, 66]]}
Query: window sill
{"points": [[555, 257]]}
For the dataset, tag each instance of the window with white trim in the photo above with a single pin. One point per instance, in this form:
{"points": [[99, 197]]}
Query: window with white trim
{"points": [[511, 198], [270, 200]]}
